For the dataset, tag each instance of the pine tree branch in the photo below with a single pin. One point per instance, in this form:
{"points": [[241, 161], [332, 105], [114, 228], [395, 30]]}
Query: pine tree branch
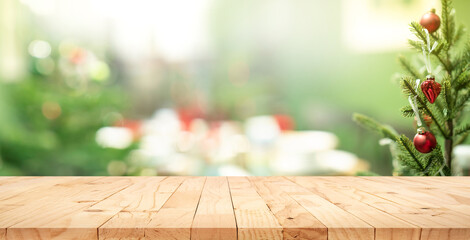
{"points": [[445, 62], [458, 35], [462, 138], [405, 142], [407, 111], [426, 108], [407, 66], [447, 21], [371, 124], [462, 129]]}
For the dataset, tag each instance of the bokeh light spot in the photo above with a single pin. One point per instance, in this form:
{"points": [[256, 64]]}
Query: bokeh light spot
{"points": [[51, 110], [39, 49]]}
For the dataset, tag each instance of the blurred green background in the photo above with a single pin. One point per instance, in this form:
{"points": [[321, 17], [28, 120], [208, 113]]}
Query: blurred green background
{"points": [[201, 87]]}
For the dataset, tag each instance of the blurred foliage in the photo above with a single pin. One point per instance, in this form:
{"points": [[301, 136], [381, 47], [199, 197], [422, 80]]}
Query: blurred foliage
{"points": [[31, 144]]}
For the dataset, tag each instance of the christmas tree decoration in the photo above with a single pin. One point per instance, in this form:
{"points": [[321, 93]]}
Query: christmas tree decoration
{"points": [[424, 141], [442, 50], [430, 21], [430, 88]]}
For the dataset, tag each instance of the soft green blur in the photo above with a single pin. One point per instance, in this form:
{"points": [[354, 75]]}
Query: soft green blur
{"points": [[256, 59]]}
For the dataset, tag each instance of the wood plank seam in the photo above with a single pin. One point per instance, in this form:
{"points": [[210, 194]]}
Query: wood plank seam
{"points": [[290, 179], [47, 230], [98, 228], [366, 204], [300, 222], [198, 201], [24, 192], [263, 226], [233, 207], [334, 234], [123, 210]]}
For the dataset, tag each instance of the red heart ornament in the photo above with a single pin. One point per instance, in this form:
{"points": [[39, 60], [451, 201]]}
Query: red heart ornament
{"points": [[424, 141], [431, 89]]}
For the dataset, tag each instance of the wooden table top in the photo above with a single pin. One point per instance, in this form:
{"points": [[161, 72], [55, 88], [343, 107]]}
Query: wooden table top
{"points": [[235, 207]]}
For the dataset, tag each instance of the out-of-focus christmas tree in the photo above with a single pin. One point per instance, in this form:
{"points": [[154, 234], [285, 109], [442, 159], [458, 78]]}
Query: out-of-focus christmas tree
{"points": [[50, 116], [439, 100]]}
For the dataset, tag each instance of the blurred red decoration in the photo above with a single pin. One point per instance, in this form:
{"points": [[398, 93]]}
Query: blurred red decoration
{"points": [[135, 126], [430, 21], [427, 120], [285, 122], [77, 56], [187, 115], [424, 141], [431, 89]]}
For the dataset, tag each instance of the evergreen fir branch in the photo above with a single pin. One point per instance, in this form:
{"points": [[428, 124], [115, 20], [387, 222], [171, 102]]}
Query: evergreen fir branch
{"points": [[407, 66], [447, 94], [461, 73], [444, 60], [461, 101], [407, 88], [458, 35], [415, 44], [418, 31], [371, 124], [462, 130], [462, 139], [448, 23], [434, 160], [407, 111], [439, 48], [406, 143]]}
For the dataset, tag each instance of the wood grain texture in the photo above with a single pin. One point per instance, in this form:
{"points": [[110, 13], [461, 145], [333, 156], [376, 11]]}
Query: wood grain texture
{"points": [[382, 208], [215, 218], [174, 219], [135, 207], [295, 220], [254, 218]]}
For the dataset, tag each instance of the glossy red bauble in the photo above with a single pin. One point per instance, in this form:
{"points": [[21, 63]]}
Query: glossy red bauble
{"points": [[424, 141], [431, 89], [430, 21]]}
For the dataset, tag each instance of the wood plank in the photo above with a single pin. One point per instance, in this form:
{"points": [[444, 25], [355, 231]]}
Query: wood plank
{"points": [[401, 191], [434, 222], [427, 208], [295, 220], [420, 199], [254, 219], [31, 191], [64, 217], [340, 224], [215, 218], [136, 206], [386, 226], [175, 218]]}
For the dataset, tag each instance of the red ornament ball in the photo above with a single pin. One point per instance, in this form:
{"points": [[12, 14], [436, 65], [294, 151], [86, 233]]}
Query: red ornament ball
{"points": [[431, 89], [430, 21], [424, 141]]}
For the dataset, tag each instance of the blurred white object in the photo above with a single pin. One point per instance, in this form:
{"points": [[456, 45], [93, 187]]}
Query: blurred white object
{"points": [[114, 137], [462, 155], [332, 162], [262, 129], [157, 146], [39, 49], [306, 142], [232, 170], [311, 152], [164, 122]]}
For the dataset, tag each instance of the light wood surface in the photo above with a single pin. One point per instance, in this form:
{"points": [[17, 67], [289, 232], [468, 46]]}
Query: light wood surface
{"points": [[328, 208]]}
